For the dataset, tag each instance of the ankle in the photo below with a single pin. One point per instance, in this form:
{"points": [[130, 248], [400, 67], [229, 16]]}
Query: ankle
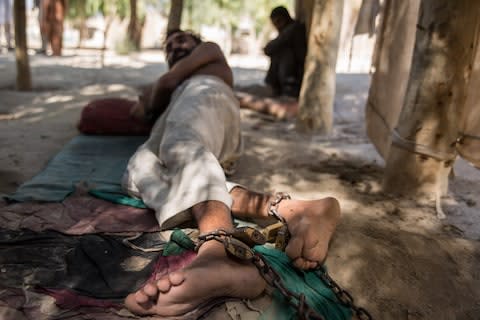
{"points": [[212, 248]]}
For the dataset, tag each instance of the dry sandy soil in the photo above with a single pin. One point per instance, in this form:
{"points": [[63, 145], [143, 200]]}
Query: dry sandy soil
{"points": [[394, 255]]}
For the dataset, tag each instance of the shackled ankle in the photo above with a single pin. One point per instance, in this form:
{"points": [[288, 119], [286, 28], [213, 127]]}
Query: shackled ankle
{"points": [[273, 204]]}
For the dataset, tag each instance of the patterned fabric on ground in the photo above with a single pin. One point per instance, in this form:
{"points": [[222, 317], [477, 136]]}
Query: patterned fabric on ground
{"points": [[97, 266], [99, 271], [49, 275], [79, 213]]}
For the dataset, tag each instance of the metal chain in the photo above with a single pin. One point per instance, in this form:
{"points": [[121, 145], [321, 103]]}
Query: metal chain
{"points": [[244, 252], [343, 295], [297, 301], [273, 206]]}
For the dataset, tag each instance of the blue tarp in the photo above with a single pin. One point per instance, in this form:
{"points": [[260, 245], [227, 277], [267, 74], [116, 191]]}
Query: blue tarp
{"points": [[97, 161]]}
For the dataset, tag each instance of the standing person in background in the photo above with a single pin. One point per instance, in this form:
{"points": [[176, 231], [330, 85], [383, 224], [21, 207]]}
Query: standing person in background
{"points": [[6, 19], [51, 26], [287, 54], [41, 14]]}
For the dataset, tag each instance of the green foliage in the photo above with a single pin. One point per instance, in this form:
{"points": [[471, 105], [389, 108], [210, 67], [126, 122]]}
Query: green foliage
{"points": [[125, 47], [229, 12], [78, 9], [225, 13]]}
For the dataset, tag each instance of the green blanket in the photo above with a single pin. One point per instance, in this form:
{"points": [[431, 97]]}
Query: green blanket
{"points": [[95, 161], [316, 292]]}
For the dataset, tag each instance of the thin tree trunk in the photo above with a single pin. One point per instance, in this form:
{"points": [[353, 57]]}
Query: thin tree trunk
{"points": [[82, 22], [318, 88], [175, 16], [24, 79], [134, 30], [423, 148], [190, 13], [108, 22], [307, 8], [299, 11]]}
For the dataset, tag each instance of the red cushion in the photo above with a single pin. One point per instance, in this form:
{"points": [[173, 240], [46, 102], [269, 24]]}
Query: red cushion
{"points": [[111, 116]]}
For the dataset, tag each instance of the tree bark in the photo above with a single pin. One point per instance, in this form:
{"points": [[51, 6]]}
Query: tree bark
{"points": [[82, 22], [134, 28], [175, 16], [307, 9], [318, 88], [423, 148], [300, 11], [24, 79]]}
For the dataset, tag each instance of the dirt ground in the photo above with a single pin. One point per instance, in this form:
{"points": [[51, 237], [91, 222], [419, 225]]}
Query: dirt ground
{"points": [[394, 255]]}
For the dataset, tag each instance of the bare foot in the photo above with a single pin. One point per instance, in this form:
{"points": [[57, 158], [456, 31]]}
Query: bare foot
{"points": [[212, 274], [311, 225], [281, 107]]}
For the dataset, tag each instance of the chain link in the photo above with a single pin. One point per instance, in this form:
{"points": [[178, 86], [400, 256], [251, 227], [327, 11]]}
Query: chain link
{"points": [[243, 252], [271, 277], [297, 301], [342, 295], [273, 206]]}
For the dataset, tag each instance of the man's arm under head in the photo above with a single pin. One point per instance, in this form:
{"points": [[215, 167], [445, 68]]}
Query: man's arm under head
{"points": [[207, 58]]}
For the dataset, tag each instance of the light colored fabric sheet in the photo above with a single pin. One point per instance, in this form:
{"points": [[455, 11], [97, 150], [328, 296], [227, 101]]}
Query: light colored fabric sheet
{"points": [[180, 164], [392, 61], [469, 117], [366, 17]]}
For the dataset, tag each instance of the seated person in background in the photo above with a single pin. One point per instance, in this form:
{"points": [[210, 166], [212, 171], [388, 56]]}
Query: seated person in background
{"points": [[179, 172], [287, 54]]}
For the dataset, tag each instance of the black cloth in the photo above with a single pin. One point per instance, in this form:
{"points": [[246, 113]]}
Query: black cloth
{"points": [[287, 59], [98, 266]]}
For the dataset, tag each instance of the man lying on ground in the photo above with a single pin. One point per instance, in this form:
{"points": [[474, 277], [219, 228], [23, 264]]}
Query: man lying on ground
{"points": [[179, 172]]}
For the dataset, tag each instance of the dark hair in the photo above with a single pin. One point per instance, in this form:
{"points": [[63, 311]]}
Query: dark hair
{"points": [[280, 11], [196, 37]]}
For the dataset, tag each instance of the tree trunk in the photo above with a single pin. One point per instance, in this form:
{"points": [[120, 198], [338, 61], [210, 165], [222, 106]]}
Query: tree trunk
{"points": [[423, 148], [134, 29], [175, 16], [307, 8], [318, 88], [24, 79], [82, 22], [300, 11]]}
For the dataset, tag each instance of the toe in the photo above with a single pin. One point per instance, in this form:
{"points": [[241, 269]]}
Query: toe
{"points": [[164, 284], [139, 303], [300, 263], [305, 264], [141, 297], [151, 290], [311, 265], [294, 247], [177, 278]]}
